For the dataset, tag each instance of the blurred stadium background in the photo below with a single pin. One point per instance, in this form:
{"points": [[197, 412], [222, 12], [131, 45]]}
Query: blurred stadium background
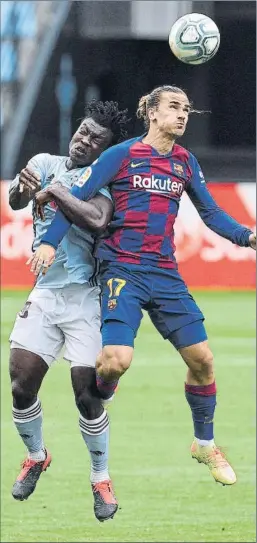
{"points": [[55, 56]]}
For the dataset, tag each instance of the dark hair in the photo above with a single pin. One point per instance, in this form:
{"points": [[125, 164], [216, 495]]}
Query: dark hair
{"points": [[108, 115], [152, 100]]}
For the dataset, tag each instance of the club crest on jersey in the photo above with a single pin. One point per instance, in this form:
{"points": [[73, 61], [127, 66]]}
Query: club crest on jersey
{"points": [[112, 304], [158, 185], [84, 177], [178, 168]]}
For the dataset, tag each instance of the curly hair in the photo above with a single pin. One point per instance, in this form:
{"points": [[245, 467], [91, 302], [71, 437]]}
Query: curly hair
{"points": [[108, 115], [152, 100]]}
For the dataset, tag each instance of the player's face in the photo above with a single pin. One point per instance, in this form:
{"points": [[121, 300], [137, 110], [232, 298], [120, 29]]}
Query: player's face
{"points": [[171, 116], [89, 142]]}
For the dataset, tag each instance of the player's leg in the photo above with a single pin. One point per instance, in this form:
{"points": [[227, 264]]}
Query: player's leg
{"points": [[124, 292], [94, 427], [82, 344], [114, 360], [33, 348], [27, 371], [200, 391], [178, 318]]}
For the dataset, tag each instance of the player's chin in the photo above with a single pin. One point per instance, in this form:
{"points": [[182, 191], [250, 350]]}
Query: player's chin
{"points": [[179, 131], [80, 158]]}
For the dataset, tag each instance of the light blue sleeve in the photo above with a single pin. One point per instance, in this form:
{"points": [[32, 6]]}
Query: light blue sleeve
{"points": [[39, 164]]}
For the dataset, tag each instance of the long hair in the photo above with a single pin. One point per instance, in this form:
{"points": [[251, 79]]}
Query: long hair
{"points": [[152, 100]]}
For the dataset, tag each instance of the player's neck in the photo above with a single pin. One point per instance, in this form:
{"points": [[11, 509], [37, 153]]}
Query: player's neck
{"points": [[72, 165], [162, 144]]}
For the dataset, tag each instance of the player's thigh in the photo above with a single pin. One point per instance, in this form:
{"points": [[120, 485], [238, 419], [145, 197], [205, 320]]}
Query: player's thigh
{"points": [[192, 344], [123, 297], [173, 307], [33, 330], [190, 340], [82, 326]]}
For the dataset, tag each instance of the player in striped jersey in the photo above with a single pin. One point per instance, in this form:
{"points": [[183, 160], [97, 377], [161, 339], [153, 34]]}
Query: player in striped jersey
{"points": [[63, 308], [147, 177]]}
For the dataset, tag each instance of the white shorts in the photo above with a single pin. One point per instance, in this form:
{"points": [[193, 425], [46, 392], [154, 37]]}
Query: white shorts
{"points": [[56, 318]]}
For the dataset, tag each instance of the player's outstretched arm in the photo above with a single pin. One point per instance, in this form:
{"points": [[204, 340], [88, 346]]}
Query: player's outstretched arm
{"points": [[93, 215], [213, 216]]}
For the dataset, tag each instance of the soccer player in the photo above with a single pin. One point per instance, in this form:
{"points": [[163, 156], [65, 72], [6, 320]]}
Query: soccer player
{"points": [[63, 309], [147, 177]]}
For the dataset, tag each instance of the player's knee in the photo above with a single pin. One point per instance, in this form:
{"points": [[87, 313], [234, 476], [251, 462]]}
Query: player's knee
{"points": [[114, 361], [199, 359], [206, 363], [23, 397], [90, 407], [203, 357]]}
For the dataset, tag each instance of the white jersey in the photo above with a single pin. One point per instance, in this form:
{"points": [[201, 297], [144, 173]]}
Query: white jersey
{"points": [[75, 262]]}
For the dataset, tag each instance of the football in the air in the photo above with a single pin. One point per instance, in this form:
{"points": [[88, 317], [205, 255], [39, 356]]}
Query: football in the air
{"points": [[194, 38]]}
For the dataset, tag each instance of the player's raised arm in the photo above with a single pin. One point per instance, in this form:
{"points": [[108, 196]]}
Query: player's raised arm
{"points": [[93, 215], [212, 215], [26, 183], [92, 179]]}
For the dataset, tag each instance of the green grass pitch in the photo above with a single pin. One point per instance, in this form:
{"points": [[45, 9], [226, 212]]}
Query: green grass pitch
{"points": [[164, 495]]}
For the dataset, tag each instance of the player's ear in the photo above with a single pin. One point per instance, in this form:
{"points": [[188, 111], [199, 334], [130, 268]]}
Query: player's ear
{"points": [[152, 113]]}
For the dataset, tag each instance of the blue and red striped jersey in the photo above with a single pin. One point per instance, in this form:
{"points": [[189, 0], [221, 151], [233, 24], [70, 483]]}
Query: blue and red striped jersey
{"points": [[146, 188]]}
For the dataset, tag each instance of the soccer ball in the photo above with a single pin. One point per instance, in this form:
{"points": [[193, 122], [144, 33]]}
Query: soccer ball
{"points": [[194, 38]]}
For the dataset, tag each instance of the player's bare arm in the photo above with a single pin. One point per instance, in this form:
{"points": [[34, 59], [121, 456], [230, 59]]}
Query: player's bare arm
{"points": [[94, 215], [25, 189]]}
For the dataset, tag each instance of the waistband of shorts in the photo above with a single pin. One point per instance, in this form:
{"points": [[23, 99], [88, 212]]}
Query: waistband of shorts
{"points": [[73, 287]]}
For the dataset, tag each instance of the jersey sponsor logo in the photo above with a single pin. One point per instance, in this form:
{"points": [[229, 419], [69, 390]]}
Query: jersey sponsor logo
{"points": [[137, 164], [158, 185], [84, 177]]}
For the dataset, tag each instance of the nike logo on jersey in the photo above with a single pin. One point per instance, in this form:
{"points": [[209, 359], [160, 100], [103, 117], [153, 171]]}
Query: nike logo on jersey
{"points": [[137, 164]]}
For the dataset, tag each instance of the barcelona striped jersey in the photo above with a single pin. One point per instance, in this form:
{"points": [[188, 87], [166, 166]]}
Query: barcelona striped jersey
{"points": [[146, 189]]}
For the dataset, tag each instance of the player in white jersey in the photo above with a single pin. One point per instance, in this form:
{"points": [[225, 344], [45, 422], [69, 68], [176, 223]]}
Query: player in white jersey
{"points": [[63, 309]]}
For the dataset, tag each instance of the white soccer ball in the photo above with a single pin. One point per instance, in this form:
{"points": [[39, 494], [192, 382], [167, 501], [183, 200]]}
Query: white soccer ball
{"points": [[194, 38]]}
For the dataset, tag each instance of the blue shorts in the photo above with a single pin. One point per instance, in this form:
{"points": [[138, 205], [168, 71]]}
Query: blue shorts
{"points": [[127, 289]]}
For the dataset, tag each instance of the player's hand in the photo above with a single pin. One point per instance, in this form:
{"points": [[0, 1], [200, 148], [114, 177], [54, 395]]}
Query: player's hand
{"points": [[42, 198], [252, 240], [29, 180], [42, 259]]}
